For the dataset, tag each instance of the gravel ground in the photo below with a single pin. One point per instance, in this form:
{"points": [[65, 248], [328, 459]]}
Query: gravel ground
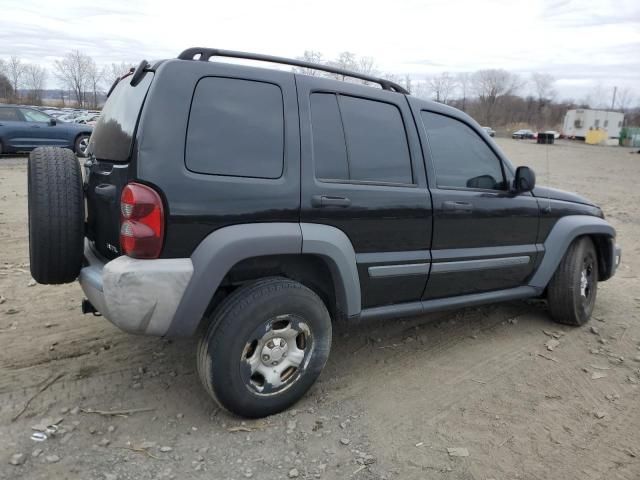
{"points": [[467, 394]]}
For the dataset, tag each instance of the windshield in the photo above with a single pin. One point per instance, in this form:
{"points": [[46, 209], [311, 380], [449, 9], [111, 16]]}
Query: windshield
{"points": [[114, 131]]}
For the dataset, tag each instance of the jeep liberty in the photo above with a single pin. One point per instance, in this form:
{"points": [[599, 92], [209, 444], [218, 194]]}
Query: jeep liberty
{"points": [[253, 207]]}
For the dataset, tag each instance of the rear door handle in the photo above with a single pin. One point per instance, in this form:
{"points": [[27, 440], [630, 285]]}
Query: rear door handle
{"points": [[457, 206], [322, 201]]}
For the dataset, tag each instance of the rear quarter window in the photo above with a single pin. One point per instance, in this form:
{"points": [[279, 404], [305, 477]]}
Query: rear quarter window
{"points": [[236, 128], [112, 137]]}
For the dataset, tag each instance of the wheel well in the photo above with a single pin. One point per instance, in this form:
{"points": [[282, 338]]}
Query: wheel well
{"points": [[81, 134], [310, 270], [603, 252]]}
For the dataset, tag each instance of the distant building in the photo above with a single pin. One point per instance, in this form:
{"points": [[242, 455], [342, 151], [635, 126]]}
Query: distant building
{"points": [[579, 121]]}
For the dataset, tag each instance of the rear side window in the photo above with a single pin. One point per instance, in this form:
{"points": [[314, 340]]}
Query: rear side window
{"points": [[236, 128], [460, 157], [356, 139], [9, 114]]}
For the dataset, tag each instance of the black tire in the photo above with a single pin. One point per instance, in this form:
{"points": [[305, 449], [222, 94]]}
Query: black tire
{"points": [[571, 297], [81, 144], [225, 353], [56, 215]]}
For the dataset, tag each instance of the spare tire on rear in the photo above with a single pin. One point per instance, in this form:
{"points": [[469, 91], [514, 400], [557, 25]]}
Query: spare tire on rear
{"points": [[56, 215]]}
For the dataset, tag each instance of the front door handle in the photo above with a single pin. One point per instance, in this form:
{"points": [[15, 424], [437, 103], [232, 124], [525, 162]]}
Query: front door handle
{"points": [[457, 206], [322, 201]]}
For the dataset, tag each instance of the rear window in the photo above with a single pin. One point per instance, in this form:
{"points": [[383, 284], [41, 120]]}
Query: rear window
{"points": [[236, 128], [114, 131], [9, 114]]}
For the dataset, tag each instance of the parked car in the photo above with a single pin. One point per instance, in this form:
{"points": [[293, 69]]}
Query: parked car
{"points": [[490, 131], [23, 129], [555, 134], [523, 134], [88, 118], [253, 207]]}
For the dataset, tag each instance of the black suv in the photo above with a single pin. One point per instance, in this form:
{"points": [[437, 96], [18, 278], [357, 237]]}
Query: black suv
{"points": [[253, 207]]}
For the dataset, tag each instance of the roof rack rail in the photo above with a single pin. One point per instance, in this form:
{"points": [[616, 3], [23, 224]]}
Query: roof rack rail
{"points": [[206, 53]]}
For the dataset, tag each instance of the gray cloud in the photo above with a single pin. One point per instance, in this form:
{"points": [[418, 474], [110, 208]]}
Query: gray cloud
{"points": [[581, 42]]}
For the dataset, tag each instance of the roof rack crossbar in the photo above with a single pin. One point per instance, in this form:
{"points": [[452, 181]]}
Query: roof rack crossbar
{"points": [[206, 53]]}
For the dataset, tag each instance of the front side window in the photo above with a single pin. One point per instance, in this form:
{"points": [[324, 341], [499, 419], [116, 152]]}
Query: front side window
{"points": [[9, 114], [461, 158], [34, 115], [359, 140], [236, 128]]}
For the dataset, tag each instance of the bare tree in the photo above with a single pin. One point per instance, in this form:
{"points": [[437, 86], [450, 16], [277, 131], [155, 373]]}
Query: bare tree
{"points": [[442, 87], [112, 72], [624, 99], [596, 97], [310, 56], [345, 61], [491, 86], [94, 79], [543, 85], [6, 91], [34, 81], [74, 72], [463, 80], [15, 71], [366, 66], [407, 83]]}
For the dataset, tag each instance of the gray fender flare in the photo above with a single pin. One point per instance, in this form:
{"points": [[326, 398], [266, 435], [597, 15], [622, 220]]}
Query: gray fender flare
{"points": [[336, 249], [565, 231], [227, 246]]}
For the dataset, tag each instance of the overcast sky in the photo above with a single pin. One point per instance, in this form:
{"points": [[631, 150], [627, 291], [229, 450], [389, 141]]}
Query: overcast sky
{"points": [[583, 43]]}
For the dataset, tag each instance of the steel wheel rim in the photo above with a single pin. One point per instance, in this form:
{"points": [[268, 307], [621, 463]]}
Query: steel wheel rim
{"points": [[276, 355], [586, 279], [83, 145]]}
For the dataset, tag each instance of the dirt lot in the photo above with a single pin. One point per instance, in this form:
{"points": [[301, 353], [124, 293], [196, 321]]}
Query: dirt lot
{"points": [[393, 398]]}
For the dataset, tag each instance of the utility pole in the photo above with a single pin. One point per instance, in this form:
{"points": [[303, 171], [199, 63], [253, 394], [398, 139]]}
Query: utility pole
{"points": [[613, 102]]}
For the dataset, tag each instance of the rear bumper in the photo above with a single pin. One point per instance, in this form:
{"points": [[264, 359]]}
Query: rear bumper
{"points": [[138, 296]]}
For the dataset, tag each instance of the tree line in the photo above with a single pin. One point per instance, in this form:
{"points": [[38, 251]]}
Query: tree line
{"points": [[495, 97], [82, 80]]}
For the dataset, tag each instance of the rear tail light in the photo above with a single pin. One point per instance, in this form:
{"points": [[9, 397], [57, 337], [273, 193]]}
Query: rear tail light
{"points": [[141, 221]]}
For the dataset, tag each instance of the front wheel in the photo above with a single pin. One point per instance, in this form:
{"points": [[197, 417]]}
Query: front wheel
{"points": [[572, 291], [265, 347]]}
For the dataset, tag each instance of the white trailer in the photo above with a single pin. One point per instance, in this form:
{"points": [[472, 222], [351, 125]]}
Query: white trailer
{"points": [[579, 121]]}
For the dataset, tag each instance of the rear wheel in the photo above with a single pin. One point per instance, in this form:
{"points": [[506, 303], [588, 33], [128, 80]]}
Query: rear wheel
{"points": [[266, 345], [572, 291], [81, 145], [56, 215]]}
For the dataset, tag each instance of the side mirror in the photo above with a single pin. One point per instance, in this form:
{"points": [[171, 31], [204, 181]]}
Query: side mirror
{"points": [[525, 180], [52, 121]]}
